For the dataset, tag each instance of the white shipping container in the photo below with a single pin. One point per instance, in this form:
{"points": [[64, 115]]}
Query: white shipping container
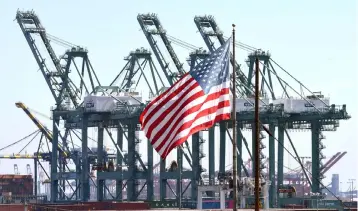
{"points": [[93, 103], [301, 105], [286, 103], [99, 103], [248, 104]]}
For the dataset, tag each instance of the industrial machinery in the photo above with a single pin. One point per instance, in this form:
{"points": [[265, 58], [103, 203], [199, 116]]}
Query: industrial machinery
{"points": [[85, 103]]}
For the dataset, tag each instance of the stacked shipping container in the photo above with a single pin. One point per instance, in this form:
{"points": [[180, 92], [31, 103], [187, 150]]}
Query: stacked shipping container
{"points": [[16, 184]]}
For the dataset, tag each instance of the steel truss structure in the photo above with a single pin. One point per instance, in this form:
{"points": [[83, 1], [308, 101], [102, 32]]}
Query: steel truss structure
{"points": [[132, 174]]}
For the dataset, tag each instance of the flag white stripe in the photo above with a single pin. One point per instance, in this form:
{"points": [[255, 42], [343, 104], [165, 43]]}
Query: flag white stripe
{"points": [[172, 89], [191, 117], [166, 105], [199, 121], [177, 111]]}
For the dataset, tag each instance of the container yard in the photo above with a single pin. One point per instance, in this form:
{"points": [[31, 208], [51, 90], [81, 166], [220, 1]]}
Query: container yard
{"points": [[95, 156]]}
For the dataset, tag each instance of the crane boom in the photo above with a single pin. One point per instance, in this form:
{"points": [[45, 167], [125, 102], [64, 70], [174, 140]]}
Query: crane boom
{"points": [[330, 165], [42, 127], [148, 20], [21, 156], [55, 75], [208, 27], [330, 161]]}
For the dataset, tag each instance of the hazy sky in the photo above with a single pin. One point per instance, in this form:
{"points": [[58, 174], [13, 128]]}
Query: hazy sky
{"points": [[313, 40]]}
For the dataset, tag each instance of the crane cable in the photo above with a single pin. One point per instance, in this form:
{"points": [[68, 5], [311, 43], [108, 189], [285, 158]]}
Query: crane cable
{"points": [[16, 142], [45, 116]]}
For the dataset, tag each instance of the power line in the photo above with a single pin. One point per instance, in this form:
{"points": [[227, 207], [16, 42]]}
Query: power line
{"points": [[14, 143]]}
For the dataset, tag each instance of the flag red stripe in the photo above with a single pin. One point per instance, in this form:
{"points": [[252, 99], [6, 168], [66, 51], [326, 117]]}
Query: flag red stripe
{"points": [[169, 124], [186, 107], [159, 97], [165, 100], [179, 118], [188, 124], [194, 130], [164, 113]]}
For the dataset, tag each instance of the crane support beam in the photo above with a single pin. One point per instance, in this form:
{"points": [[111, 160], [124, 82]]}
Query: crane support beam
{"points": [[148, 20], [330, 160], [329, 166]]}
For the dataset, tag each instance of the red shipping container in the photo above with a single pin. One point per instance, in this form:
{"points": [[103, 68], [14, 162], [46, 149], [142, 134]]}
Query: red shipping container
{"points": [[16, 184], [12, 207]]}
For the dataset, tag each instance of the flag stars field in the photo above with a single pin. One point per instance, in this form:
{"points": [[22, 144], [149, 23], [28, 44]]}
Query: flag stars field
{"points": [[194, 103]]}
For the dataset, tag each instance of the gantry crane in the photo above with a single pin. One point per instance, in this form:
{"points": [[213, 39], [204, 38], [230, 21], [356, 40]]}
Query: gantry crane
{"points": [[209, 29], [63, 89], [147, 21], [45, 156], [31, 26], [37, 156], [316, 120], [47, 133], [129, 78]]}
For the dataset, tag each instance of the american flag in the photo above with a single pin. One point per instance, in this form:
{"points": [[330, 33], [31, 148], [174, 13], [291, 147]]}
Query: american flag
{"points": [[194, 103]]}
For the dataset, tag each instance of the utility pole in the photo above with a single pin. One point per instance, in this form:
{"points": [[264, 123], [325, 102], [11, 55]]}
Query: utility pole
{"points": [[257, 138], [234, 144], [351, 183], [180, 164]]}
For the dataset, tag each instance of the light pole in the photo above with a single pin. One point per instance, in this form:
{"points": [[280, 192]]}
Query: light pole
{"points": [[351, 182]]}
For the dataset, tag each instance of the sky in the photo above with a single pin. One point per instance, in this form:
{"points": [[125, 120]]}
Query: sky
{"points": [[314, 41]]}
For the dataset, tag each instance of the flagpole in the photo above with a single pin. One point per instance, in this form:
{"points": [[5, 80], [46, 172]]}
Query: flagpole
{"points": [[257, 138], [234, 153], [180, 176]]}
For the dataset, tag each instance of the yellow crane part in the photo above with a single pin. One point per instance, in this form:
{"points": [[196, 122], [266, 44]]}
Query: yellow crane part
{"points": [[42, 128]]}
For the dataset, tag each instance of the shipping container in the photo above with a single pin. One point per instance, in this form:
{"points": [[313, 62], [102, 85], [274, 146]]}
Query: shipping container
{"points": [[16, 184], [12, 207], [303, 105], [248, 104]]}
